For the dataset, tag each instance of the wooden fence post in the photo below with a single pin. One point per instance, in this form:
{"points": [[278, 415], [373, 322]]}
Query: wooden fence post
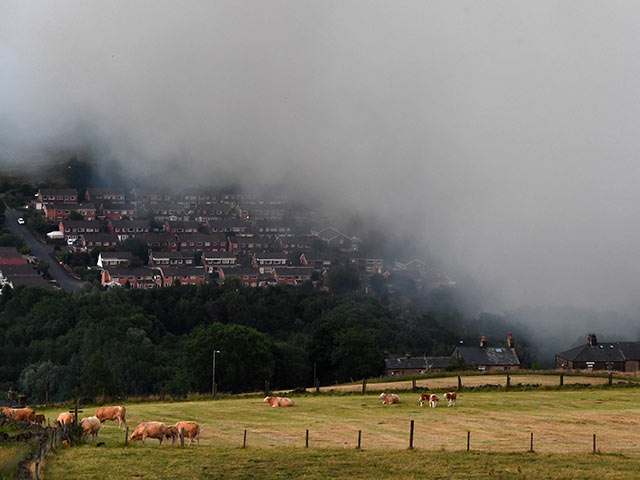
{"points": [[244, 440], [359, 439], [468, 440], [266, 387], [459, 383], [317, 385], [126, 435], [364, 386], [411, 436], [413, 384], [561, 379], [594, 443], [182, 437], [531, 447], [508, 380], [306, 441], [610, 378]]}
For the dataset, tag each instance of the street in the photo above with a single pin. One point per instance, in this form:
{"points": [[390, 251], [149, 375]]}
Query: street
{"points": [[44, 252]]}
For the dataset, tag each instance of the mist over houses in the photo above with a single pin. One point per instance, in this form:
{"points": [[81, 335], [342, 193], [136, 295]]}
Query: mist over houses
{"points": [[148, 238]]}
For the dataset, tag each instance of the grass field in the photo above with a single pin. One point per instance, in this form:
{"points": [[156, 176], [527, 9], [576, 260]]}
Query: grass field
{"points": [[563, 423], [10, 456]]}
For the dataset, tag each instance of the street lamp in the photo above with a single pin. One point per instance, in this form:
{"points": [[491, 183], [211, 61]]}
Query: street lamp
{"points": [[213, 377]]}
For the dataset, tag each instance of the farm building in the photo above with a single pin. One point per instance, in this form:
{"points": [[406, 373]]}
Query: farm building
{"points": [[620, 356], [486, 358], [408, 365]]}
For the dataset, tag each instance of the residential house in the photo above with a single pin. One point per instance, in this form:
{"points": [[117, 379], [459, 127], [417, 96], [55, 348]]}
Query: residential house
{"points": [[89, 241], [203, 241], [489, 359], [125, 229], [182, 257], [113, 259], [181, 226], [99, 195], [11, 256], [118, 211], [265, 261], [248, 244], [408, 365], [271, 227], [139, 277], [207, 212], [248, 277], [160, 240], [369, 263], [260, 211], [295, 242], [212, 259], [22, 274], [150, 196], [594, 355], [76, 228], [56, 212], [231, 225], [186, 275], [168, 211], [57, 195], [318, 261], [335, 238], [292, 275]]}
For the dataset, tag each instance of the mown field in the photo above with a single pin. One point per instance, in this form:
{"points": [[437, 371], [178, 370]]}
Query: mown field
{"points": [[563, 423]]}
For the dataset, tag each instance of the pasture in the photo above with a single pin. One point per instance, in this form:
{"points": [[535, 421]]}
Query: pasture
{"points": [[563, 423]]}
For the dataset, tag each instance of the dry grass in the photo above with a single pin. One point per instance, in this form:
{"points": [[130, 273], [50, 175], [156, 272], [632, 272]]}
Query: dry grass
{"points": [[10, 456]]}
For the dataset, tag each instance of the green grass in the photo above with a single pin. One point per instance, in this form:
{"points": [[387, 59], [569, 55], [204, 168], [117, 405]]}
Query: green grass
{"points": [[563, 423], [10, 455]]}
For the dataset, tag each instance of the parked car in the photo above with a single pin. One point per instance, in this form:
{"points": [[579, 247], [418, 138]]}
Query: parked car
{"points": [[21, 221]]}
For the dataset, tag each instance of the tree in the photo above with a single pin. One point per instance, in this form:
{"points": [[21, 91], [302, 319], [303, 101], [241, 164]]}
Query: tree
{"points": [[340, 279], [40, 381], [97, 379]]}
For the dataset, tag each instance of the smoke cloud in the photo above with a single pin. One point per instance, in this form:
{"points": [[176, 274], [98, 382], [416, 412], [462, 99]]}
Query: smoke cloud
{"points": [[501, 133]]}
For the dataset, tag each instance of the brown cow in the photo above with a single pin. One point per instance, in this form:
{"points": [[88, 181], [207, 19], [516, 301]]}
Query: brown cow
{"points": [[40, 419], [450, 397], [144, 430], [8, 412], [112, 413], [90, 426], [192, 430], [278, 401], [433, 399], [389, 398], [172, 433], [424, 397], [65, 417], [25, 414]]}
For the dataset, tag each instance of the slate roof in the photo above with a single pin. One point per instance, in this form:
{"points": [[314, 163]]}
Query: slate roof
{"points": [[487, 356], [406, 363], [603, 352], [438, 362]]}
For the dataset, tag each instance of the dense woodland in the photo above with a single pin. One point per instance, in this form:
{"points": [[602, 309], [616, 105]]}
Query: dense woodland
{"points": [[134, 342]]}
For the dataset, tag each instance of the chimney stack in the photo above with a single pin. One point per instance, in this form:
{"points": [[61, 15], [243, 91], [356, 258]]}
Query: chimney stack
{"points": [[483, 342], [592, 339], [510, 342]]}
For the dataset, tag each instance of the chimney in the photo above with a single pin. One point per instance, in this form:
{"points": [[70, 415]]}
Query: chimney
{"points": [[510, 342], [592, 339], [483, 342]]}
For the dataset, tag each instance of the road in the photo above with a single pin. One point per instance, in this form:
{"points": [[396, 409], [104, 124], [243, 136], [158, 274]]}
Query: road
{"points": [[44, 252]]}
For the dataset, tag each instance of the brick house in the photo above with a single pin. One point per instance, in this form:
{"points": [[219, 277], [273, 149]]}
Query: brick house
{"points": [[319, 261], [594, 355], [75, 228], [211, 260], [292, 275], [181, 226], [113, 259], [489, 359], [295, 242], [159, 241], [117, 211], [98, 195], [203, 241], [56, 212], [11, 256], [128, 228], [186, 275], [57, 195], [248, 276], [408, 365], [89, 241], [140, 277], [231, 225], [266, 261], [248, 244], [182, 257]]}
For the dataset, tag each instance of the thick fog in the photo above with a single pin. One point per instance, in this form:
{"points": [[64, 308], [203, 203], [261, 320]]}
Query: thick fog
{"points": [[502, 133]]}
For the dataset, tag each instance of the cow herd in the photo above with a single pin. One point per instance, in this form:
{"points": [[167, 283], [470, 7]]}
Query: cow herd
{"points": [[432, 398]]}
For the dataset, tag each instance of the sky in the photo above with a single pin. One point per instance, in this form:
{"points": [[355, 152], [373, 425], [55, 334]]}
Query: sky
{"points": [[500, 133]]}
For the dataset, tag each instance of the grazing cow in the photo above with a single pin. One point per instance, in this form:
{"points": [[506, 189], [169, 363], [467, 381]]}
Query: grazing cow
{"points": [[192, 429], [144, 430], [25, 414], [450, 397], [433, 399], [112, 413], [424, 397], [7, 412], [278, 401], [389, 398], [172, 433], [90, 426], [65, 417], [40, 419]]}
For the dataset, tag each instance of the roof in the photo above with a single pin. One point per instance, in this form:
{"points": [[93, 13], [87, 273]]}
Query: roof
{"points": [[478, 356], [603, 352], [165, 254], [130, 223], [116, 255], [80, 223], [131, 271], [58, 191], [210, 254], [182, 271], [406, 363], [438, 362], [271, 256], [9, 252]]}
